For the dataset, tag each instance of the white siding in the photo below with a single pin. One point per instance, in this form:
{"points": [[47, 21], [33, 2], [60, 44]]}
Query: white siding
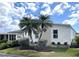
{"points": [[47, 36], [19, 36], [65, 34], [25, 35]]}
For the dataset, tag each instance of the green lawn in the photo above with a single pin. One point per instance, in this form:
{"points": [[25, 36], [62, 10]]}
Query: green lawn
{"points": [[56, 52]]}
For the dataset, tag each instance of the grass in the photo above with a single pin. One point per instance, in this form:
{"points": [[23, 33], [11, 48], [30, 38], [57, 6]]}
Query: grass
{"points": [[19, 52], [56, 52]]}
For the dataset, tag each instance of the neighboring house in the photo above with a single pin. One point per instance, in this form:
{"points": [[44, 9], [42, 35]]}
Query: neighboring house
{"points": [[57, 34], [8, 36]]}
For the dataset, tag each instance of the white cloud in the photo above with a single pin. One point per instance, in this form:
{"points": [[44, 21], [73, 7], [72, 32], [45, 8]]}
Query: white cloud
{"points": [[45, 5], [32, 6], [4, 21], [5, 8], [60, 8], [18, 11], [70, 21], [66, 5], [15, 22], [72, 8], [47, 10], [7, 11], [75, 7], [33, 17], [6, 24], [9, 15], [13, 26], [75, 14], [74, 18], [49, 2]]}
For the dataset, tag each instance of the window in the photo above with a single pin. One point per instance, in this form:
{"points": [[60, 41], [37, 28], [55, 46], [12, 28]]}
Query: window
{"points": [[58, 43], [36, 42], [12, 37], [53, 43], [65, 43], [55, 33]]}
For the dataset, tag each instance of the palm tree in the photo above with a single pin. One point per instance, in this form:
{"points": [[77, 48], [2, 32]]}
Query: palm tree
{"points": [[44, 24], [29, 26], [35, 26]]}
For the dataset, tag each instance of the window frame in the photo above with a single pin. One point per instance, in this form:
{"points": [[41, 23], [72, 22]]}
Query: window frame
{"points": [[55, 34], [58, 43], [65, 43], [53, 43]]}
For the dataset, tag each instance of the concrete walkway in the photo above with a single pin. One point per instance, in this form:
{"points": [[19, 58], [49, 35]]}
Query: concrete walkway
{"points": [[10, 55]]}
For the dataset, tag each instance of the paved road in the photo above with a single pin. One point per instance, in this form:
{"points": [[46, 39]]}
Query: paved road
{"points": [[9, 55]]}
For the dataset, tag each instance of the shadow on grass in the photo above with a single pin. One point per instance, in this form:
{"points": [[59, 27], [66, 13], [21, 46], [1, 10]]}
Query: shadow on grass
{"points": [[49, 49], [77, 55], [46, 49], [60, 49]]}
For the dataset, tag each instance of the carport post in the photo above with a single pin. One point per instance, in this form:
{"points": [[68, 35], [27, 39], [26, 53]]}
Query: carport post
{"points": [[8, 37]]}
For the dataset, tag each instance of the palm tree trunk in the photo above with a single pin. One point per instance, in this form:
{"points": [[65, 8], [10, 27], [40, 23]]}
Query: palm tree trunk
{"points": [[40, 36], [30, 37]]}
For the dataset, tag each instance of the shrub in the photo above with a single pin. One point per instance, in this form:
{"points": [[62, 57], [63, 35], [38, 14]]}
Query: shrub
{"points": [[41, 45], [3, 41], [24, 43], [9, 44], [77, 39], [14, 43], [3, 45]]}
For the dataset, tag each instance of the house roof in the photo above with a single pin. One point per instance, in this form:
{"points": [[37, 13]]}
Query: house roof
{"points": [[19, 31], [7, 33], [62, 24], [66, 25]]}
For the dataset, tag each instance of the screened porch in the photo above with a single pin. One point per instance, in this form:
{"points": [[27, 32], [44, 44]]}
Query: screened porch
{"points": [[7, 36]]}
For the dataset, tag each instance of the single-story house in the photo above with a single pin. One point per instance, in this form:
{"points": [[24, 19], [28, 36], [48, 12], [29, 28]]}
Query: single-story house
{"points": [[57, 34]]}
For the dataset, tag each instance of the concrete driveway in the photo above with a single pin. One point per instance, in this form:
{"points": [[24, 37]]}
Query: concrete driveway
{"points": [[10, 55]]}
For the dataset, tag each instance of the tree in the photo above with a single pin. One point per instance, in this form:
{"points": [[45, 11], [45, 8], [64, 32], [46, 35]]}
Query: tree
{"points": [[77, 39], [29, 26], [44, 23]]}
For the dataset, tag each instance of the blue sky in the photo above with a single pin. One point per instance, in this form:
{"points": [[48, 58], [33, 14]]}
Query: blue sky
{"points": [[59, 12]]}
